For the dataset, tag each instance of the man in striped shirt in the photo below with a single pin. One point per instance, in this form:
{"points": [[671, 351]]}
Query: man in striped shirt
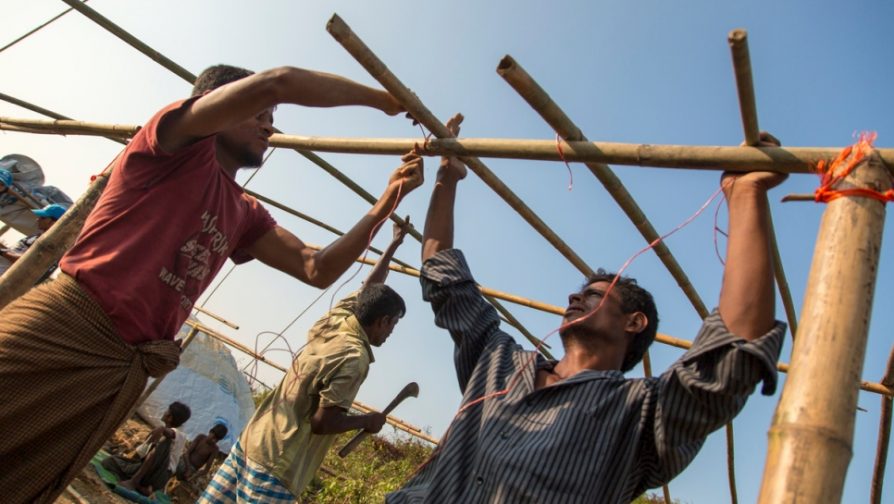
{"points": [[577, 430]]}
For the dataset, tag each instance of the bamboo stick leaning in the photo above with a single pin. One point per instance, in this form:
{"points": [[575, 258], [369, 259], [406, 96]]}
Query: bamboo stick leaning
{"points": [[343, 34]]}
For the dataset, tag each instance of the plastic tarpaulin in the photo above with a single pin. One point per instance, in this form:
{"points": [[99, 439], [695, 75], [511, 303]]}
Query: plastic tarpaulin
{"points": [[28, 176], [211, 384]]}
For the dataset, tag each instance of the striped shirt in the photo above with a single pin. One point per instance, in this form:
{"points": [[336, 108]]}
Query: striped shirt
{"points": [[594, 437]]}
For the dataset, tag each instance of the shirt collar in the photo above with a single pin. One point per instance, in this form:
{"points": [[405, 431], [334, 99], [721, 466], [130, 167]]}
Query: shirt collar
{"points": [[355, 329], [582, 376]]}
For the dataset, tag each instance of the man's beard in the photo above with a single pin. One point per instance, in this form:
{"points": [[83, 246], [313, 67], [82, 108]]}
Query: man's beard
{"points": [[248, 159]]}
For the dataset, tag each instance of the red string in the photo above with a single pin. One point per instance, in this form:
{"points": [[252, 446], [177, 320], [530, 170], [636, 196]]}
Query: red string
{"points": [[562, 157], [833, 172]]}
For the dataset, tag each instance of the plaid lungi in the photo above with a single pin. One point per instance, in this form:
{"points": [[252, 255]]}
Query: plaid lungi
{"points": [[239, 480], [67, 381]]}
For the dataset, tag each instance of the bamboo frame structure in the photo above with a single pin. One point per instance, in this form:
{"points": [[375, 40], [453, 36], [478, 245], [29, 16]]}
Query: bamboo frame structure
{"points": [[377, 69], [816, 411], [190, 78], [791, 160], [662, 338], [550, 111]]}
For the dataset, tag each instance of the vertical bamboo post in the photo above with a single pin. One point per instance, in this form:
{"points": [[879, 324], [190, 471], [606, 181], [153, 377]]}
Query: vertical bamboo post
{"points": [[884, 436], [811, 436], [738, 44], [50, 247]]}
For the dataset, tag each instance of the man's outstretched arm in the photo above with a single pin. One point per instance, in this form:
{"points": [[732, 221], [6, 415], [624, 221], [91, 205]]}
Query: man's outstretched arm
{"points": [[747, 297], [230, 104], [284, 251], [335, 420], [438, 233], [380, 271]]}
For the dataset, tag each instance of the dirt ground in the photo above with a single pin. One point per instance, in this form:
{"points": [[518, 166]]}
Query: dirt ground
{"points": [[88, 488]]}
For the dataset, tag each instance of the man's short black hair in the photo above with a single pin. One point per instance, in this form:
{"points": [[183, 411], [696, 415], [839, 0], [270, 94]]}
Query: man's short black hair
{"points": [[633, 299], [220, 431], [216, 76], [180, 413], [376, 301]]}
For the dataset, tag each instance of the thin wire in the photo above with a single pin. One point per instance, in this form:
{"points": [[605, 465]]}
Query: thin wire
{"points": [[32, 32]]}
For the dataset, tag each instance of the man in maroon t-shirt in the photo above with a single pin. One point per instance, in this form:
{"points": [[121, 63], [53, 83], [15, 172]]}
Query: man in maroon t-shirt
{"points": [[75, 353]]}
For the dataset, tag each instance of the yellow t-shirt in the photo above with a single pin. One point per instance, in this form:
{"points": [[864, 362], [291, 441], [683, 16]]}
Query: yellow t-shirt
{"points": [[327, 372]]}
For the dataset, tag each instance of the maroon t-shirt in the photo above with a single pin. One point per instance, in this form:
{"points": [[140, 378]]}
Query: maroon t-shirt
{"points": [[163, 227]]}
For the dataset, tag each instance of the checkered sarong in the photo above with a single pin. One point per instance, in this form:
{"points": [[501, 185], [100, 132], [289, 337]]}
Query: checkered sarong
{"points": [[66, 382], [240, 480]]}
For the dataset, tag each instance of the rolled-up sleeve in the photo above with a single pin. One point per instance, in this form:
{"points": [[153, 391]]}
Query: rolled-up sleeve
{"points": [[707, 387], [460, 308]]}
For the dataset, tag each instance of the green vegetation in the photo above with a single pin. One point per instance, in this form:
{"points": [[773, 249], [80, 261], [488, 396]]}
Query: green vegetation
{"points": [[376, 467]]}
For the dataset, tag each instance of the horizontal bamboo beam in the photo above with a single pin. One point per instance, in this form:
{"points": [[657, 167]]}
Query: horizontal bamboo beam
{"points": [[876, 388], [394, 421], [696, 157]]}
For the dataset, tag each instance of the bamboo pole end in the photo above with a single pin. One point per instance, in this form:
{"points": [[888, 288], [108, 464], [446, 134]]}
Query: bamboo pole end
{"points": [[336, 26], [506, 64], [738, 36]]}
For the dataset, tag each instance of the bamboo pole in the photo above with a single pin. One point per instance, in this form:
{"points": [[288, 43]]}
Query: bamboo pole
{"points": [[343, 34], [695, 157], [540, 101], [130, 39], [394, 421], [35, 30], [46, 112], [884, 436], [738, 43], [216, 317], [50, 247], [812, 432]]}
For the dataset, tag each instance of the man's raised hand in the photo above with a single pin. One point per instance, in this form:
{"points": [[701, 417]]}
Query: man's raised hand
{"points": [[451, 167], [401, 230], [409, 175], [764, 180]]}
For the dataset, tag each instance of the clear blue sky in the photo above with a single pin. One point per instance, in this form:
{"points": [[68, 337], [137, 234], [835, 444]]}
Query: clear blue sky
{"points": [[640, 72]]}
